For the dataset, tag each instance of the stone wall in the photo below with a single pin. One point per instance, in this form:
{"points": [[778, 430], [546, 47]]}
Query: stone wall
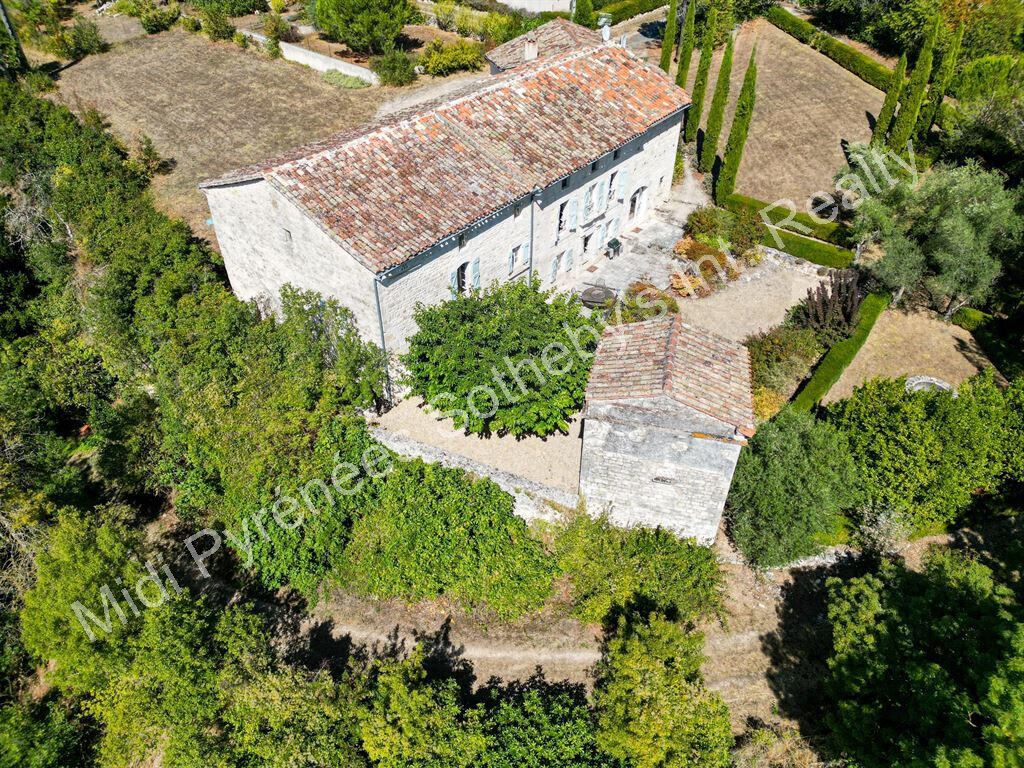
{"points": [[642, 474], [266, 242], [317, 61]]}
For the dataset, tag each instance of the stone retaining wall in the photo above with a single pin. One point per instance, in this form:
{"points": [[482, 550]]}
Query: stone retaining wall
{"points": [[530, 496], [317, 61]]}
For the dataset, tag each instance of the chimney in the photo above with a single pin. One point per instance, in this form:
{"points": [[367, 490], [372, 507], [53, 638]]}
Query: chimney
{"points": [[606, 32], [530, 48]]}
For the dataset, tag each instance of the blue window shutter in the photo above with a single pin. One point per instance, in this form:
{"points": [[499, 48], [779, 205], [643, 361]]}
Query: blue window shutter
{"points": [[623, 184], [568, 260], [526, 252], [453, 283], [511, 260], [613, 228], [475, 272], [602, 196], [588, 203], [573, 214], [554, 268]]}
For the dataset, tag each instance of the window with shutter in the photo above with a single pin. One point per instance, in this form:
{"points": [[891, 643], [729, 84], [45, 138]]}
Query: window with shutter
{"points": [[512, 253], [568, 260], [525, 253], [573, 217], [588, 203], [453, 283], [554, 268], [613, 228], [475, 273], [602, 196], [623, 184]]}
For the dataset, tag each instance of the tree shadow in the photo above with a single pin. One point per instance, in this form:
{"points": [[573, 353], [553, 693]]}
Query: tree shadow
{"points": [[872, 119], [653, 30], [442, 659], [798, 648]]}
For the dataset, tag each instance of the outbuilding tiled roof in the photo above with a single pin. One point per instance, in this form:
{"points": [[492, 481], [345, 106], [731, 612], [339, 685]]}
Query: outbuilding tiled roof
{"points": [[667, 357], [556, 37], [394, 188]]}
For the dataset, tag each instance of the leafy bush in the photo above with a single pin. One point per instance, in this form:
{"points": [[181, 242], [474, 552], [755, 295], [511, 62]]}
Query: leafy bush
{"points": [[642, 301], [440, 58], [232, 7], [791, 485], [79, 40], [340, 79], [746, 233], [927, 453], [159, 19], [518, 331], [394, 68], [191, 24], [275, 28], [860, 64], [970, 319], [707, 220], [216, 25], [431, 531], [841, 354], [615, 569], [365, 26], [444, 12], [240, 40], [949, 640], [781, 357], [675, 720], [467, 23]]}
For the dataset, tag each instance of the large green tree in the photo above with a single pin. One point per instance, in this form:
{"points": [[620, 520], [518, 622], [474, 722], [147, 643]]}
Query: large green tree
{"points": [[930, 664], [686, 44], [892, 100], [725, 184], [668, 40], [716, 114], [365, 26], [792, 483], [944, 76], [700, 84], [584, 13], [653, 710], [906, 118]]}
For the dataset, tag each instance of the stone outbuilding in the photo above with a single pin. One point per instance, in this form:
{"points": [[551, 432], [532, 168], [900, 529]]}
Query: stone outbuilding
{"points": [[668, 408]]}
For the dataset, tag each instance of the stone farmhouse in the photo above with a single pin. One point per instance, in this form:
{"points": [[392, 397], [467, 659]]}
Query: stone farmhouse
{"points": [[532, 172], [668, 408]]}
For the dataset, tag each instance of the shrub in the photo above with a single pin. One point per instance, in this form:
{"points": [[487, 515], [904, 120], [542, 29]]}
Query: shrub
{"points": [[906, 119], [444, 11], [686, 43], [365, 26], [746, 232], [432, 531], [791, 485], [615, 569], [394, 68], [700, 83], [584, 14], [892, 100], [841, 355], [467, 23], [340, 79], [860, 64], [216, 25], [275, 28], [668, 39], [191, 24], [781, 357], [79, 40], [159, 19], [716, 113], [970, 319], [513, 329], [499, 28], [240, 40], [642, 301], [707, 220], [441, 58], [928, 453], [725, 183], [232, 7], [831, 308]]}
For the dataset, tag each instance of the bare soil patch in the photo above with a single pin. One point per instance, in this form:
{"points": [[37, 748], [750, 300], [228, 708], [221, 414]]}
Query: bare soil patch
{"points": [[911, 344], [807, 106], [209, 107]]}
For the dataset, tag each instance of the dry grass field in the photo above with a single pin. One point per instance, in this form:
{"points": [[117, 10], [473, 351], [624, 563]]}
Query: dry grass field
{"points": [[209, 107], [807, 106]]}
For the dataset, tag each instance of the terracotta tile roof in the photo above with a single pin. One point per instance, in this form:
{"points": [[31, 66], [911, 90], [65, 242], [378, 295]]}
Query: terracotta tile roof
{"points": [[556, 37], [667, 357], [392, 189]]}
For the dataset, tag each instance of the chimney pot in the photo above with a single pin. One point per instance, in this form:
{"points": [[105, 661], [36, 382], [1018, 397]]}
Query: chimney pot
{"points": [[530, 49]]}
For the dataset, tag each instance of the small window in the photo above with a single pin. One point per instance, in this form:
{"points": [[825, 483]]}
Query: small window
{"points": [[616, 154], [286, 238], [611, 185], [460, 277], [586, 243], [661, 182], [561, 215], [462, 241], [565, 182], [593, 167]]}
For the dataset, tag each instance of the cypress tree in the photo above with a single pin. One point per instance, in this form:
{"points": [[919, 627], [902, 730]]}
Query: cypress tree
{"points": [[716, 114], [892, 98], [584, 15], [686, 45], [906, 120], [937, 93], [700, 84], [726, 182], [668, 42]]}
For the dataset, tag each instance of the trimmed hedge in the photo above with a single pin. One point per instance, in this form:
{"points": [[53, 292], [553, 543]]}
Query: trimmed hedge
{"points": [[830, 231], [970, 319], [863, 66], [627, 9], [815, 251], [841, 355]]}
